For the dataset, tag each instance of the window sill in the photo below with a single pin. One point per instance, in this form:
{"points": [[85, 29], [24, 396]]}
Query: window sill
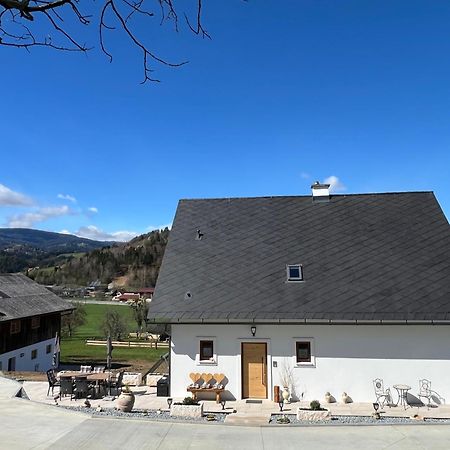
{"points": [[310, 364], [206, 363]]}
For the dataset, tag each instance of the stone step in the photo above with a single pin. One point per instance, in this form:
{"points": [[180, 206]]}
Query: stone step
{"points": [[245, 419]]}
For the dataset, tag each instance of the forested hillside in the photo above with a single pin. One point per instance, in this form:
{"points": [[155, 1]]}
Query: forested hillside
{"points": [[137, 261], [21, 248]]}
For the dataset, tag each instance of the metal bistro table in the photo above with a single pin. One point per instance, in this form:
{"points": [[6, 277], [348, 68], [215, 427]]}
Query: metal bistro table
{"points": [[402, 390]]}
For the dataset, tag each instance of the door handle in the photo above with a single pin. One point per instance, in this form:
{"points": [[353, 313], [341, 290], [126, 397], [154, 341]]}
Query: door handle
{"points": [[262, 372]]}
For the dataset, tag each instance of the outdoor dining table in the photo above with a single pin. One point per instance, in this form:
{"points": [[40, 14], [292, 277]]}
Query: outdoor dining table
{"points": [[402, 390], [90, 376]]}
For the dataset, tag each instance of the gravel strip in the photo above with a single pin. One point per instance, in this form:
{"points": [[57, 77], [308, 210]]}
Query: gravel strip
{"points": [[356, 420], [144, 414]]}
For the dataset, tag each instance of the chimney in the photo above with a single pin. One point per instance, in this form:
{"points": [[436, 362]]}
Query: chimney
{"points": [[320, 192]]}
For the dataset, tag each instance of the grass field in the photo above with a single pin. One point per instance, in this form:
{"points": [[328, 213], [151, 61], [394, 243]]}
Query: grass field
{"points": [[75, 351]]}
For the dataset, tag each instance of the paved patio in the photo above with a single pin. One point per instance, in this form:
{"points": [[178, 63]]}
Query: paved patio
{"points": [[246, 413]]}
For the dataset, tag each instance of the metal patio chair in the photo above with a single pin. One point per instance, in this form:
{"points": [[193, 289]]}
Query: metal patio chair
{"points": [[82, 388], [66, 387], [117, 383], [383, 395], [52, 380], [425, 391]]}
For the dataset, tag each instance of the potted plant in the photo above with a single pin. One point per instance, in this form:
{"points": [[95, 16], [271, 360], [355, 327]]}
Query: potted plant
{"points": [[314, 413], [187, 408], [125, 401], [286, 379]]}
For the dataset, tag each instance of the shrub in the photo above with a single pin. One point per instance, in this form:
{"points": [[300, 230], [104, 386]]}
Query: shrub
{"points": [[315, 405], [189, 401], [283, 420]]}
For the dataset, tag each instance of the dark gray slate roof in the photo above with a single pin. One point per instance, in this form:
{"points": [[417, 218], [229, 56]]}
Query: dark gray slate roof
{"points": [[21, 297], [369, 257]]}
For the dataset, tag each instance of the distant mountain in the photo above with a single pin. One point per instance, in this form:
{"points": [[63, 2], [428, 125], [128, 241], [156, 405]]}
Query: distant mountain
{"points": [[132, 264], [21, 248]]}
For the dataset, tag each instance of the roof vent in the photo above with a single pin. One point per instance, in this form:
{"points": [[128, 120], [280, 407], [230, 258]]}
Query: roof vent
{"points": [[320, 192], [199, 235], [187, 296]]}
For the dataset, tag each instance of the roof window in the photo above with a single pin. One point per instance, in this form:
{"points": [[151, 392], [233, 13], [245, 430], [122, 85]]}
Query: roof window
{"points": [[294, 272]]}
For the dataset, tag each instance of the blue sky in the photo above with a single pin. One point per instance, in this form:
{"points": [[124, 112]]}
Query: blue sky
{"points": [[285, 93]]}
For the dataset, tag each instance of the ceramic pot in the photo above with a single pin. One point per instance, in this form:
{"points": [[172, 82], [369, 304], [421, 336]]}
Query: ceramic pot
{"points": [[125, 401], [285, 394]]}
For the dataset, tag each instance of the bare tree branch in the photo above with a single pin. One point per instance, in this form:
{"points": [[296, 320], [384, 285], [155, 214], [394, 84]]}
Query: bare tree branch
{"points": [[15, 13], [146, 53], [199, 29], [136, 7]]}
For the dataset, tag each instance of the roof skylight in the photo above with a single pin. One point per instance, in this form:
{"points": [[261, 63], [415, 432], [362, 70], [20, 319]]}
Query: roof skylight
{"points": [[294, 272]]}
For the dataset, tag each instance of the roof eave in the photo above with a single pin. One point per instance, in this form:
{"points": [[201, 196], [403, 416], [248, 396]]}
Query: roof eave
{"points": [[180, 321]]}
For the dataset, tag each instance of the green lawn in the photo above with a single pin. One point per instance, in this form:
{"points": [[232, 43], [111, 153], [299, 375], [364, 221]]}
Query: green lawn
{"points": [[75, 351]]}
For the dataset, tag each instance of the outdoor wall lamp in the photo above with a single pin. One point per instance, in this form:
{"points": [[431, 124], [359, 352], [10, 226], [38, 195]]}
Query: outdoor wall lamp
{"points": [[253, 329], [169, 402]]}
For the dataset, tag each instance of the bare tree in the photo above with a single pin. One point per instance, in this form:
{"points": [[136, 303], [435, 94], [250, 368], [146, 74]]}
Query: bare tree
{"points": [[73, 320], [140, 311], [63, 22], [114, 325]]}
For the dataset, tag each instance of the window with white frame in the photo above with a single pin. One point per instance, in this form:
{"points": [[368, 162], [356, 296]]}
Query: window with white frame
{"points": [[206, 353], [294, 272], [304, 352], [206, 350]]}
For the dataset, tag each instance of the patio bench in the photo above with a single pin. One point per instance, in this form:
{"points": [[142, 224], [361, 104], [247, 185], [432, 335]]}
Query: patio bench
{"points": [[201, 382]]}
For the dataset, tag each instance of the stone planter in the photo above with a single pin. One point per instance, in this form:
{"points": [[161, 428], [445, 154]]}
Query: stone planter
{"points": [[132, 378], [193, 411], [125, 402], [313, 416]]}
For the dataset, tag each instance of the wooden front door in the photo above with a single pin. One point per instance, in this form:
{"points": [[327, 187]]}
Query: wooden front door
{"points": [[254, 369]]}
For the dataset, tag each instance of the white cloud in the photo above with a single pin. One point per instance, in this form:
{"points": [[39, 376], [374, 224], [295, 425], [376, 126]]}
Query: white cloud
{"points": [[93, 210], [29, 219], [92, 232], [305, 175], [335, 183], [71, 198], [8, 197]]}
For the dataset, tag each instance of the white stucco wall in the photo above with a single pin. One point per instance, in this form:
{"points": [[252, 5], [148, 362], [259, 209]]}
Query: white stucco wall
{"points": [[347, 357], [42, 363]]}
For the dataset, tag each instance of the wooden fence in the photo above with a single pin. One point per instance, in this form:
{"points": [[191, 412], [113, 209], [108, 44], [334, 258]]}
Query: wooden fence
{"points": [[130, 344]]}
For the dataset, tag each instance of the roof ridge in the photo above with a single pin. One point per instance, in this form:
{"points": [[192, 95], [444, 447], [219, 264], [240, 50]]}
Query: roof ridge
{"points": [[306, 196]]}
